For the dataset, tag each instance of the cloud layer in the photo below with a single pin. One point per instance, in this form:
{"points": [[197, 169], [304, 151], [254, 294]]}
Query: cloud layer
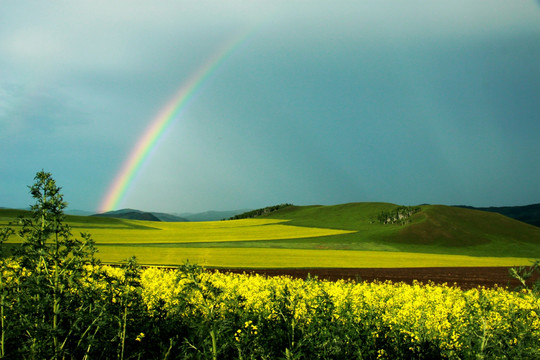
{"points": [[407, 102]]}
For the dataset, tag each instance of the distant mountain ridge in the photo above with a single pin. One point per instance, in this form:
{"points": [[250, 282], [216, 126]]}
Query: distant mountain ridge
{"points": [[130, 214], [529, 214], [213, 215], [133, 214], [78, 212], [259, 212]]}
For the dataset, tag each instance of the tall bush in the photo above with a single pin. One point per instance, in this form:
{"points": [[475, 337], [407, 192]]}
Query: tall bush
{"points": [[48, 273]]}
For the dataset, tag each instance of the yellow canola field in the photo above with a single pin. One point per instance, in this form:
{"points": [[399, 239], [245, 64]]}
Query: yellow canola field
{"points": [[150, 232], [390, 320], [294, 258], [210, 231]]}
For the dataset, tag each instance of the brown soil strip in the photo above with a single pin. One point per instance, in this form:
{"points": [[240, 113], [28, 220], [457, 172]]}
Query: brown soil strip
{"points": [[463, 277]]}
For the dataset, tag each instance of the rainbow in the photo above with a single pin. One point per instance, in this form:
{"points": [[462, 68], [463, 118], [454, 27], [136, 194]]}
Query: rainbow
{"points": [[158, 126]]}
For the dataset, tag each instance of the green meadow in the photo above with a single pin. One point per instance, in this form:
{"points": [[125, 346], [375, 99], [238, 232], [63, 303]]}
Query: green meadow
{"points": [[346, 235]]}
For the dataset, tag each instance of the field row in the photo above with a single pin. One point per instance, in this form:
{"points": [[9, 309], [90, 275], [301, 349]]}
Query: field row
{"points": [[290, 258], [217, 231]]}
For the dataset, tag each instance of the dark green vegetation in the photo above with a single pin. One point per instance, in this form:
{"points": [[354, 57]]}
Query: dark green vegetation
{"points": [[529, 214], [37, 303], [260, 212], [528, 276], [399, 215]]}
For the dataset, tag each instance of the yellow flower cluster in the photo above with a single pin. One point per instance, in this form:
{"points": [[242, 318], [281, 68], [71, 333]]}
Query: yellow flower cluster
{"points": [[249, 329], [414, 314]]}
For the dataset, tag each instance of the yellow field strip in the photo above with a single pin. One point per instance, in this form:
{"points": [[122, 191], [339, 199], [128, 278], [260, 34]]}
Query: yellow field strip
{"points": [[207, 231], [215, 231], [290, 258]]}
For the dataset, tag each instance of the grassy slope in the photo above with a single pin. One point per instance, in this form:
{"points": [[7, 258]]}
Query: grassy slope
{"points": [[436, 229]]}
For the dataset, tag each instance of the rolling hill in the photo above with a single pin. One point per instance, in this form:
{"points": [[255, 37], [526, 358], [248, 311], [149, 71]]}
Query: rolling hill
{"points": [[434, 229]]}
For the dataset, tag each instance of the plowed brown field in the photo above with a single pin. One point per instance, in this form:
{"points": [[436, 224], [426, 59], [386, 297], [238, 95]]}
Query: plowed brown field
{"points": [[463, 277]]}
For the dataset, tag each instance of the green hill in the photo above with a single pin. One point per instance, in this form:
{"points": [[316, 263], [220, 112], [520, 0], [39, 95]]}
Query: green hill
{"points": [[434, 229]]}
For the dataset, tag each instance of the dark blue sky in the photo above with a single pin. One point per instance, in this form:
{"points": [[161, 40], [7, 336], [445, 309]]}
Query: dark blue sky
{"points": [[406, 102]]}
